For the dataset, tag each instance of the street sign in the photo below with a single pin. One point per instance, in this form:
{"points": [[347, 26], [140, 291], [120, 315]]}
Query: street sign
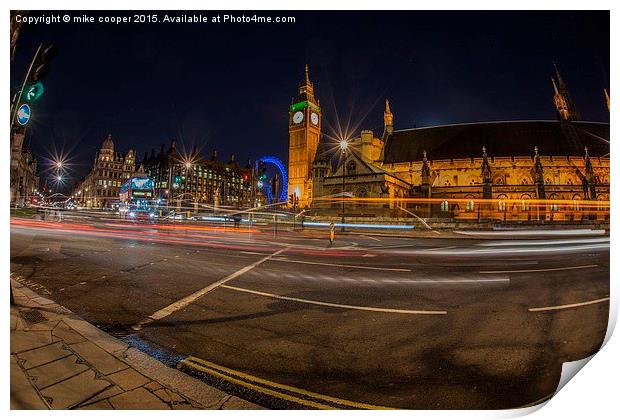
{"points": [[23, 114], [33, 92]]}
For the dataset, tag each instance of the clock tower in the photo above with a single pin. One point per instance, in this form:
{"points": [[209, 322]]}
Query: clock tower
{"points": [[304, 130]]}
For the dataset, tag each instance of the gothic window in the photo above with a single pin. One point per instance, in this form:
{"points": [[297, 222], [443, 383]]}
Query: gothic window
{"points": [[499, 181], [524, 181], [351, 167], [576, 199], [469, 206], [445, 206], [501, 203], [554, 205], [525, 204]]}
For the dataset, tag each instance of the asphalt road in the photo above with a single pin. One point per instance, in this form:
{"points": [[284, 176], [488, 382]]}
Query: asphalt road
{"points": [[444, 321]]}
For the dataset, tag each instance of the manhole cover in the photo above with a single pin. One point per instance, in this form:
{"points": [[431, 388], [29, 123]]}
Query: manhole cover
{"points": [[33, 316]]}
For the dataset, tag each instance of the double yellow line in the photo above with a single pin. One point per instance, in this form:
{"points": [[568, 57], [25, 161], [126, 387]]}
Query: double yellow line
{"points": [[284, 392]]}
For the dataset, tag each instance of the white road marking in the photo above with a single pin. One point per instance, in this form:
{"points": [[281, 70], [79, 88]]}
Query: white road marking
{"points": [[251, 253], [536, 270], [570, 305], [370, 237], [437, 249], [336, 305], [441, 281], [363, 267], [187, 300]]}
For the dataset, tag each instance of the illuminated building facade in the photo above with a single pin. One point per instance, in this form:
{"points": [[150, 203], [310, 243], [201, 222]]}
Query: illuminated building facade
{"points": [[193, 179], [24, 180], [304, 127], [100, 187], [452, 167]]}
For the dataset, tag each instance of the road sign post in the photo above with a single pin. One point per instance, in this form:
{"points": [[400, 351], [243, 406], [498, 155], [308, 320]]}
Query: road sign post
{"points": [[23, 114]]}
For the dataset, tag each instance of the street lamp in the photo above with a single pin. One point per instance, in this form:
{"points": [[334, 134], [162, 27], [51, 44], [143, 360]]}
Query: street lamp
{"points": [[344, 146]]}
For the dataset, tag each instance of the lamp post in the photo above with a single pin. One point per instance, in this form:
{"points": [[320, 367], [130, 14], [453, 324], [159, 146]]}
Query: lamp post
{"points": [[344, 146]]}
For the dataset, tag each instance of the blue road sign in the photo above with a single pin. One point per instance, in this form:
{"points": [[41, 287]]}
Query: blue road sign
{"points": [[23, 114]]}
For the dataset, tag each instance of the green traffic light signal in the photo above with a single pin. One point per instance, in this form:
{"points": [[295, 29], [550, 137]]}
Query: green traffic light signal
{"points": [[33, 92]]}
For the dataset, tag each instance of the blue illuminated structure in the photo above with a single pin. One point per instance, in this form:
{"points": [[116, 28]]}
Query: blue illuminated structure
{"points": [[283, 176]]}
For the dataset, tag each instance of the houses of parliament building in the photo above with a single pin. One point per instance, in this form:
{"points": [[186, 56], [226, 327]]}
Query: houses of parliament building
{"points": [[452, 170]]}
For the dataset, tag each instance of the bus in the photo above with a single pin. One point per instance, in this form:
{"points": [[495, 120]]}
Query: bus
{"points": [[137, 199]]}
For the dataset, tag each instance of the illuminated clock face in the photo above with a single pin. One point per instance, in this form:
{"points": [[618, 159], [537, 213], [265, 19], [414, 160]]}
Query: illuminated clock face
{"points": [[298, 117], [314, 118]]}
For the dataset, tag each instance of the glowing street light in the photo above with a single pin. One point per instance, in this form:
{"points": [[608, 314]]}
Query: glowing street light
{"points": [[344, 144]]}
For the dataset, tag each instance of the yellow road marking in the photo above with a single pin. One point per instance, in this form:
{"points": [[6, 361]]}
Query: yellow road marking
{"points": [[251, 382], [337, 305], [570, 305]]}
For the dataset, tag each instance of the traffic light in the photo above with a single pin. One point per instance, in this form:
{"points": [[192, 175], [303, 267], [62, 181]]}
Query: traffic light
{"points": [[262, 175], [33, 88], [42, 62]]}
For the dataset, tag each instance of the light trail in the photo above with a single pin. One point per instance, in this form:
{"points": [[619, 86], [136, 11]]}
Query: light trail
{"points": [[539, 270], [546, 242]]}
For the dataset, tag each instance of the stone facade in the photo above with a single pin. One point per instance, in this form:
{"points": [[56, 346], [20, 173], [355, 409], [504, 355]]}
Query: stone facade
{"points": [[24, 180], [100, 187], [195, 179], [495, 170]]}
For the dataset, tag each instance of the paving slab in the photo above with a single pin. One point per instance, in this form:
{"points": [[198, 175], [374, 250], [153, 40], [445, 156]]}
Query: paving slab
{"points": [[184, 406], [66, 334], [129, 379], [94, 334], [104, 395], [235, 403], [168, 396], [59, 370], [41, 355], [98, 358], [153, 386], [26, 340], [138, 399], [99, 405], [23, 394], [75, 390]]}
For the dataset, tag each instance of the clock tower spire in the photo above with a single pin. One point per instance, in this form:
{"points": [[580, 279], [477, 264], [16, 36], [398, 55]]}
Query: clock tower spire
{"points": [[304, 128]]}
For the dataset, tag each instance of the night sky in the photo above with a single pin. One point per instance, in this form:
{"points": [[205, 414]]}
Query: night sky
{"points": [[228, 86]]}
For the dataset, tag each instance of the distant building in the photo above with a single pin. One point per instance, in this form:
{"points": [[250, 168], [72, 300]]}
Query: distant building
{"points": [[100, 187], [512, 162], [194, 179], [24, 180]]}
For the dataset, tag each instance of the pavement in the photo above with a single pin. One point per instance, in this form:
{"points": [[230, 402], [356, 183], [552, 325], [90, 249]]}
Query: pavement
{"points": [[59, 361], [460, 321]]}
